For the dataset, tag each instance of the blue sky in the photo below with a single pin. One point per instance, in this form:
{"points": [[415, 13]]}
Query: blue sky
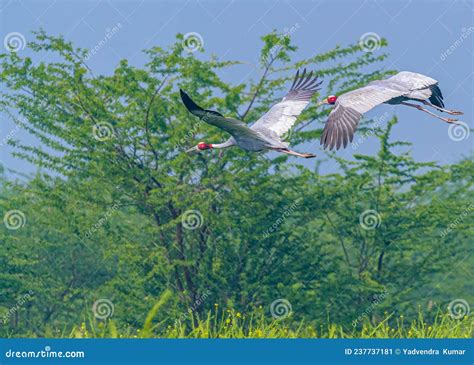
{"points": [[419, 34]]}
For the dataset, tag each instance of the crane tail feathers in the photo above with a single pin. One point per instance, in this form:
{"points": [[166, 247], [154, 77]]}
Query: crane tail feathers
{"points": [[436, 97]]}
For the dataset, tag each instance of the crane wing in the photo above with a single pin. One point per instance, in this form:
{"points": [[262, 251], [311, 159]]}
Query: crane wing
{"points": [[344, 118], [415, 81], [412, 80], [234, 127], [282, 116]]}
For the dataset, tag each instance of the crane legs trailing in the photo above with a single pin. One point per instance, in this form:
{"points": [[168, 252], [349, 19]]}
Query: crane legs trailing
{"points": [[290, 152], [419, 107], [452, 112]]}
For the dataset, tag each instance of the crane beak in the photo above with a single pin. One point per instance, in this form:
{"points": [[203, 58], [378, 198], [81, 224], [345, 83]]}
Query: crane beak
{"points": [[322, 102], [192, 149]]}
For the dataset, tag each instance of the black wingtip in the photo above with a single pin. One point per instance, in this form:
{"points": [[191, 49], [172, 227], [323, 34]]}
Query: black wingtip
{"points": [[188, 102], [184, 97], [309, 82]]}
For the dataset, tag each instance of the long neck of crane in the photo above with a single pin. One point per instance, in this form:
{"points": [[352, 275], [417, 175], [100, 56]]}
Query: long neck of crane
{"points": [[229, 143]]}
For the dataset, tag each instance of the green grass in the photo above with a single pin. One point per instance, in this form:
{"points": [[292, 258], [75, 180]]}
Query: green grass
{"points": [[232, 324], [228, 323]]}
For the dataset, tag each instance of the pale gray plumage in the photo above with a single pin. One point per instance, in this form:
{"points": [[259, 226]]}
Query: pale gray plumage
{"points": [[349, 107], [265, 133], [282, 116]]}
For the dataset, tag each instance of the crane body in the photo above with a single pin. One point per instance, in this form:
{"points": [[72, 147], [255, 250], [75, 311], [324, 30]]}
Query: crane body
{"points": [[396, 90], [266, 132]]}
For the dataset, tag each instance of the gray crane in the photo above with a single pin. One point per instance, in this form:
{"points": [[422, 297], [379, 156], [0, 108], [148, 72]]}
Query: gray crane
{"points": [[266, 132], [398, 89]]}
